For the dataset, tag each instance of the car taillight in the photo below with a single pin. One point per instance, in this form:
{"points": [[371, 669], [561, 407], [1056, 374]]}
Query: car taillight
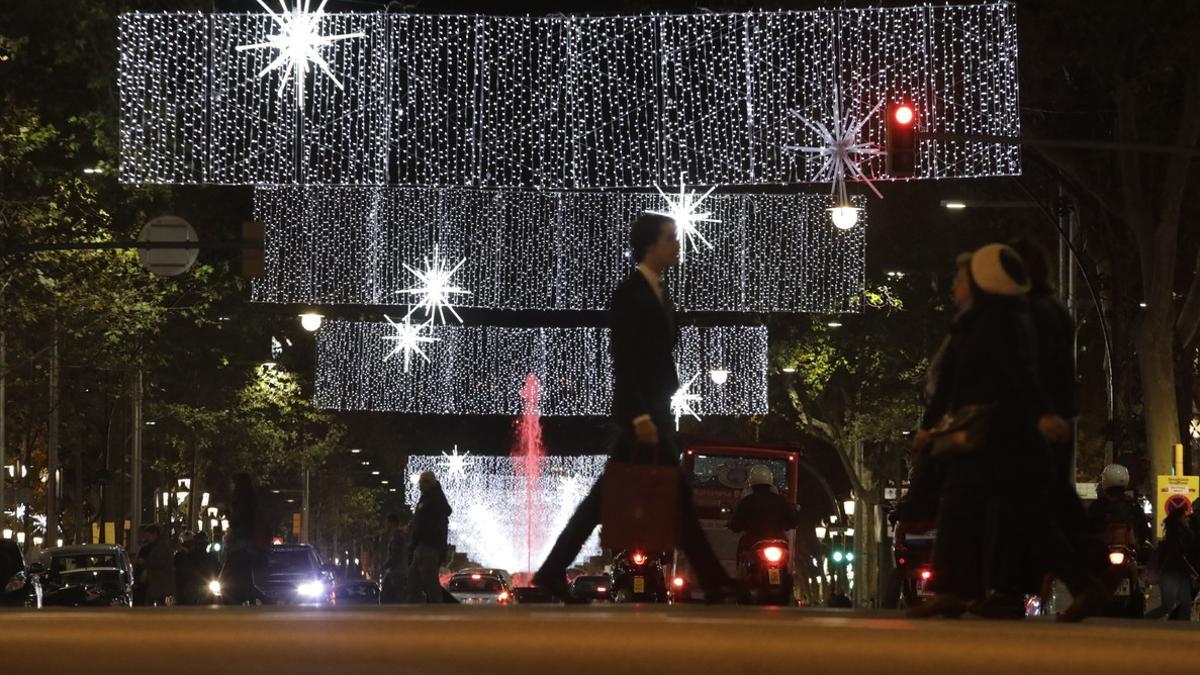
{"points": [[601, 589], [926, 575], [639, 558], [502, 598], [772, 554], [678, 582], [1116, 557]]}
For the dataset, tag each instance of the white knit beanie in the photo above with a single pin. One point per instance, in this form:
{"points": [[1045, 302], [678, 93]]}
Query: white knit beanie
{"points": [[998, 270]]}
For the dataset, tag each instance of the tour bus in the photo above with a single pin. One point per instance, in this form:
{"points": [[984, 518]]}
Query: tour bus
{"points": [[719, 475]]}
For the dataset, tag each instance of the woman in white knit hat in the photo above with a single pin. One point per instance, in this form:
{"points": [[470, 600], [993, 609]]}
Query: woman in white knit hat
{"points": [[985, 430]]}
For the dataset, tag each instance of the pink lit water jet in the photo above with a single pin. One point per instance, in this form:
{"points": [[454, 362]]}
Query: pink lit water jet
{"points": [[528, 455]]}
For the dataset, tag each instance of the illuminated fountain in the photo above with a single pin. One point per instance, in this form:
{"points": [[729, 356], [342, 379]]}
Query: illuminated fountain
{"points": [[508, 510]]}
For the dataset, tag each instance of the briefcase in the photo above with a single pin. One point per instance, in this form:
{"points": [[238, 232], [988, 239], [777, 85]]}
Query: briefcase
{"points": [[639, 507]]}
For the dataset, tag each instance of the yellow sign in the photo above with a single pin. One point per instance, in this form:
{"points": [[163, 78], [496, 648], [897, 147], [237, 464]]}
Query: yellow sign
{"points": [[1170, 486]]}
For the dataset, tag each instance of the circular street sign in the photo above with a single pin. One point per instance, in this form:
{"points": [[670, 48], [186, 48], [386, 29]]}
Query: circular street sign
{"points": [[168, 262]]}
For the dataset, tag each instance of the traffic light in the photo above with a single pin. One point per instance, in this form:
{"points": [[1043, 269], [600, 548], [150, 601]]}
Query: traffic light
{"points": [[901, 158]]}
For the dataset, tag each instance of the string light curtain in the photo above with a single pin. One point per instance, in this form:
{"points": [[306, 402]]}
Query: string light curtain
{"points": [[562, 102], [531, 250], [480, 370], [492, 520]]}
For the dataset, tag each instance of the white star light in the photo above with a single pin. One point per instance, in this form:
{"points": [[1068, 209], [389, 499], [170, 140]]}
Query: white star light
{"points": [[683, 208], [298, 42], [435, 289], [682, 400], [456, 464], [841, 152], [408, 339]]}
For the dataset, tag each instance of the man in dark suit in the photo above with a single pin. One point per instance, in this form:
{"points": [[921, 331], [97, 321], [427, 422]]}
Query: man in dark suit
{"points": [[643, 336]]}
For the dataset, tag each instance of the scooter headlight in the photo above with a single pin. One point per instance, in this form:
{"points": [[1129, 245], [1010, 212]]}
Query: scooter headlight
{"points": [[214, 587], [1116, 557]]}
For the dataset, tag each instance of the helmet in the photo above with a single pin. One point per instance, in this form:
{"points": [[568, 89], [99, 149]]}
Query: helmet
{"points": [[1178, 503], [761, 475], [1114, 475]]}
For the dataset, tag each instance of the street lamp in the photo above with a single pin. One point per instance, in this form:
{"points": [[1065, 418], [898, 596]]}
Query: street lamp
{"points": [[821, 531], [719, 375], [844, 217], [311, 321], [848, 506]]}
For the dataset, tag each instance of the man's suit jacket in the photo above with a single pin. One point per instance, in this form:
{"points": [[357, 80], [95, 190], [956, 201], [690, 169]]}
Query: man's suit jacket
{"points": [[643, 340]]}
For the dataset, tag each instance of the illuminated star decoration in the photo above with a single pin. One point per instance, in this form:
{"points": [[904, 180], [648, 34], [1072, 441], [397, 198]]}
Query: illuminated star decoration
{"points": [[683, 208], [841, 150], [298, 42], [435, 289], [408, 339], [456, 464], [682, 400]]}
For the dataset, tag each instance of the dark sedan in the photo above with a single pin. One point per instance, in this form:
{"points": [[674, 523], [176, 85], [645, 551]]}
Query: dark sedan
{"points": [[356, 592], [90, 575]]}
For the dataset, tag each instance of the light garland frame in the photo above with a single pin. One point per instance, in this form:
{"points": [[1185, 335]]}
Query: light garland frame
{"points": [[480, 370], [530, 250], [563, 102]]}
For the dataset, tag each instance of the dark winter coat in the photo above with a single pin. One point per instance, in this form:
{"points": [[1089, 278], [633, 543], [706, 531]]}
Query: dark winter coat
{"points": [[431, 520], [643, 337], [764, 514], [1055, 332], [992, 359]]}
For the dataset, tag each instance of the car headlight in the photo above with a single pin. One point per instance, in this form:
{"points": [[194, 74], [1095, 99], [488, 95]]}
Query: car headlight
{"points": [[214, 587], [311, 589]]}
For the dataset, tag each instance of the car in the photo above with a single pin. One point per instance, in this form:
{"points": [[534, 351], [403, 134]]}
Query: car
{"points": [[592, 587], [87, 575], [480, 588], [355, 592], [533, 595], [20, 587], [292, 574], [504, 575]]}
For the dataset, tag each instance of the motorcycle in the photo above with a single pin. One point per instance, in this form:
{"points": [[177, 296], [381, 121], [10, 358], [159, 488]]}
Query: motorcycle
{"points": [[1129, 598], [638, 577], [766, 571]]}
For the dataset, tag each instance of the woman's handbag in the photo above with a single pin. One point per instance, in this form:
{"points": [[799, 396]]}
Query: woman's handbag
{"points": [[962, 431]]}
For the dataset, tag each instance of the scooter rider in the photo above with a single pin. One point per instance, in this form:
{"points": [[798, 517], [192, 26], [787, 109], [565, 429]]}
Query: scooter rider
{"points": [[764, 513], [1114, 510]]}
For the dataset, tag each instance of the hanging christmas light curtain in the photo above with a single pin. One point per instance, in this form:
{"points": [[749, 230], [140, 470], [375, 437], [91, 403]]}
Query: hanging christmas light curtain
{"points": [[480, 370], [559, 102], [549, 250], [492, 521]]}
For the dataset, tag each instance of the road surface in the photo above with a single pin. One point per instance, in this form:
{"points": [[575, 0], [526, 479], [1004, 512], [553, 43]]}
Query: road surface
{"points": [[575, 640]]}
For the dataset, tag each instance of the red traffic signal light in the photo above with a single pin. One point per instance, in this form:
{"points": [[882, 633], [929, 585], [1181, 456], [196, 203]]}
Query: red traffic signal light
{"points": [[901, 141]]}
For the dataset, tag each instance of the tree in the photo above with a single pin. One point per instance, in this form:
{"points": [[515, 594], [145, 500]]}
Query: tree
{"points": [[1128, 73]]}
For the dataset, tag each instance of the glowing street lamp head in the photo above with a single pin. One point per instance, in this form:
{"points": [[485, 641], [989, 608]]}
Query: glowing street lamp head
{"points": [[844, 217], [904, 114]]}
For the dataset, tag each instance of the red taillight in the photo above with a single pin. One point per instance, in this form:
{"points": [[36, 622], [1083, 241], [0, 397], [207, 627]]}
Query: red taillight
{"points": [[502, 598], [1116, 557], [926, 575], [639, 558], [678, 582], [772, 554], [476, 576], [904, 114], [901, 562]]}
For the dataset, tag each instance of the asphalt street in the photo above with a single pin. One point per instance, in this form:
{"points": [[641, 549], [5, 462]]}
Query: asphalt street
{"points": [[574, 640]]}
